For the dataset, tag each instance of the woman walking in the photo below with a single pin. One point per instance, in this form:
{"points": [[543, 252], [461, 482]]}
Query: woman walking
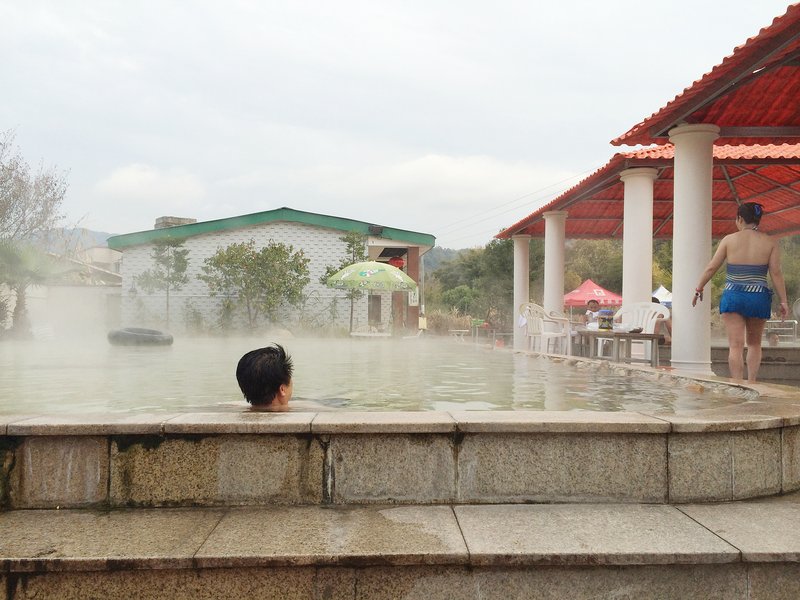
{"points": [[746, 299]]}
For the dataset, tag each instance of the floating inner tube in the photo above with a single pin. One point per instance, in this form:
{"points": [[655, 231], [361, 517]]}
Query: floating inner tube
{"points": [[138, 336]]}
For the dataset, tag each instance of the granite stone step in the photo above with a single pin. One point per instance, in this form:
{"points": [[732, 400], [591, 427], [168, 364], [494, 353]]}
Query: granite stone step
{"points": [[747, 549]]}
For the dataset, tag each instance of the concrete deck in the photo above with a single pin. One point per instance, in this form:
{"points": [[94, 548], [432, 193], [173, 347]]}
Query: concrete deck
{"points": [[744, 550]]}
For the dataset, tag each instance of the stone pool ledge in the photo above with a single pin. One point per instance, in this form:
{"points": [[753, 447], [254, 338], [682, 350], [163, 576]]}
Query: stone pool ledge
{"points": [[356, 458]]}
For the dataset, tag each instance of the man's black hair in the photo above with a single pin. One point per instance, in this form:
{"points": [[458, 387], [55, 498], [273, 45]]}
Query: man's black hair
{"points": [[261, 373]]}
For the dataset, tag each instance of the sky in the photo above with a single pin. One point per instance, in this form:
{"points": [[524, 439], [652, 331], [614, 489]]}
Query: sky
{"points": [[452, 118]]}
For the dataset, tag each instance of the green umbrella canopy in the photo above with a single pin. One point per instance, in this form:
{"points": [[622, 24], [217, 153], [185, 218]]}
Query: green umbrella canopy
{"points": [[372, 275]]}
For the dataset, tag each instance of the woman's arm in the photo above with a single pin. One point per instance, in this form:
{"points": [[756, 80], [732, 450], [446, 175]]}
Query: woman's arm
{"points": [[776, 274], [713, 266]]}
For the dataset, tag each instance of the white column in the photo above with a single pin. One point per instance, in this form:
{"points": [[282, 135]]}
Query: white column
{"points": [[522, 278], [691, 244], [554, 227], [637, 242]]}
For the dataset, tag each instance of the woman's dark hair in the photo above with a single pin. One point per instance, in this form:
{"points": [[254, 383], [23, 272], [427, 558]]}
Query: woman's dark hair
{"points": [[750, 212], [261, 373]]}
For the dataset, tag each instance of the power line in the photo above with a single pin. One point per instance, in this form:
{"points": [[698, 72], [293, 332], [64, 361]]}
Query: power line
{"points": [[514, 200]]}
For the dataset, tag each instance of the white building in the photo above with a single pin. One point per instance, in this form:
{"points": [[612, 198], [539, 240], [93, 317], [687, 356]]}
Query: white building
{"points": [[318, 236]]}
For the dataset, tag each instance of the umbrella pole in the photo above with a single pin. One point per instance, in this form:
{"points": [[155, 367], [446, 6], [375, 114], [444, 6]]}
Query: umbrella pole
{"points": [[352, 301]]}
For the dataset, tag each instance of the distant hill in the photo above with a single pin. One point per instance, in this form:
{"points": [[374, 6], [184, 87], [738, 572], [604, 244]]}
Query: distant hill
{"points": [[437, 255], [64, 240]]}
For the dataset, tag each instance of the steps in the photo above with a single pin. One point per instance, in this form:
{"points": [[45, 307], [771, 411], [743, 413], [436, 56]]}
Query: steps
{"points": [[355, 506], [732, 550]]}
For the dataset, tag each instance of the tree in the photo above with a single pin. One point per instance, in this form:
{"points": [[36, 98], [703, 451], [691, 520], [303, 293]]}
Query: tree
{"points": [[462, 298], [23, 265], [170, 261], [598, 260], [29, 202], [355, 251], [488, 274], [259, 280], [790, 265]]}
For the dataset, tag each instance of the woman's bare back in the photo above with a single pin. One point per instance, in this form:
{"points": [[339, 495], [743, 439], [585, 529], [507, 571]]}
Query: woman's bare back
{"points": [[749, 247]]}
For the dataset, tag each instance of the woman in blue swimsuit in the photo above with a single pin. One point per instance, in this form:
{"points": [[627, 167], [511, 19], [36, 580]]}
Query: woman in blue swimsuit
{"points": [[746, 301]]}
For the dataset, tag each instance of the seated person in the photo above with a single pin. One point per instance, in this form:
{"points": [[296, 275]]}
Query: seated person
{"points": [[667, 323], [265, 378], [592, 313]]}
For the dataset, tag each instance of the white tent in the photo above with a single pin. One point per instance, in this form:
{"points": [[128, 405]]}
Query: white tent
{"points": [[664, 296]]}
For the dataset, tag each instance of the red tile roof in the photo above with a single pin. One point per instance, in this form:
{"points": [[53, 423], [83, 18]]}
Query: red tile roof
{"points": [[768, 174], [752, 95]]}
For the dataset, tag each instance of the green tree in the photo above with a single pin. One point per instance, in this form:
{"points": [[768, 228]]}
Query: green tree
{"points": [[790, 265], [488, 274], [170, 261], [21, 266], [662, 263], [30, 202], [462, 298], [355, 251], [259, 280], [598, 260]]}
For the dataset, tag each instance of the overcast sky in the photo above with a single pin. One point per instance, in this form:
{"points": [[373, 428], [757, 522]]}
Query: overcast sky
{"points": [[453, 118]]}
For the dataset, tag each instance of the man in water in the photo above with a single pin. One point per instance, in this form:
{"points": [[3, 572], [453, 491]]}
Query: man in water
{"points": [[265, 378]]}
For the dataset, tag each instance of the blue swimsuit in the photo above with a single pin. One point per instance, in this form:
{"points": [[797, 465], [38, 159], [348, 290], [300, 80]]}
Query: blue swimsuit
{"points": [[746, 292]]}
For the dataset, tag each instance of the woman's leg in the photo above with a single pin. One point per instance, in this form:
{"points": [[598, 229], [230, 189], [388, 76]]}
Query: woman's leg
{"points": [[735, 327], [755, 329]]}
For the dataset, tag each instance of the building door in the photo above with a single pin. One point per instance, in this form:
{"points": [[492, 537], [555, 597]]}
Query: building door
{"points": [[374, 310]]}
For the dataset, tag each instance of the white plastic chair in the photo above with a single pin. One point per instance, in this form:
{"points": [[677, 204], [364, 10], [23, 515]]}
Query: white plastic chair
{"points": [[646, 315], [537, 324]]}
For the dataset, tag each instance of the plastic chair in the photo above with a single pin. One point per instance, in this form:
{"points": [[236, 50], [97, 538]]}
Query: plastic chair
{"points": [[536, 322], [646, 315]]}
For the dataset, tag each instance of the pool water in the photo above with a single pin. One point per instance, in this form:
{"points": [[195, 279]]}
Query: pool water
{"points": [[198, 374]]}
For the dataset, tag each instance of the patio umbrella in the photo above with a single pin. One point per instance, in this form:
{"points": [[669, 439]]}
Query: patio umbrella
{"points": [[664, 296], [371, 275], [589, 290]]}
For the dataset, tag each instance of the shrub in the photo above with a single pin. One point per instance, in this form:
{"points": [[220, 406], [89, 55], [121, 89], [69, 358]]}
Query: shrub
{"points": [[441, 322]]}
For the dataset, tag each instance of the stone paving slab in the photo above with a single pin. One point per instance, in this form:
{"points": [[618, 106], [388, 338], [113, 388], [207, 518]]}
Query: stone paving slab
{"points": [[483, 537], [763, 530], [246, 421], [98, 424], [574, 421], [298, 536], [742, 417], [6, 419], [598, 534], [383, 422], [66, 540]]}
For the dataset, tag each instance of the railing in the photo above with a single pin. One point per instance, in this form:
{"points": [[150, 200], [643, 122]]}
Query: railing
{"points": [[785, 330]]}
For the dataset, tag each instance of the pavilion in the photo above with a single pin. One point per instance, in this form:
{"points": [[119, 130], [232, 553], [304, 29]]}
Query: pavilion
{"points": [[731, 137]]}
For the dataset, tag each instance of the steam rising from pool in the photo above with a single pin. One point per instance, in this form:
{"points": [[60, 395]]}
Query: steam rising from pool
{"points": [[197, 374]]}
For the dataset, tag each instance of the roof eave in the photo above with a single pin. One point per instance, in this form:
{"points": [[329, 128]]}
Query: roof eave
{"points": [[180, 232]]}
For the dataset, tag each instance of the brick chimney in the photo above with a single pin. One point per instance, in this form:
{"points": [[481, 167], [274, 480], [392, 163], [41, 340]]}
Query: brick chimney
{"points": [[164, 222]]}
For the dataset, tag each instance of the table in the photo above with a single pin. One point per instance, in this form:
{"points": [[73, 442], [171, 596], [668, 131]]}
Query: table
{"points": [[491, 332], [459, 333], [587, 340]]}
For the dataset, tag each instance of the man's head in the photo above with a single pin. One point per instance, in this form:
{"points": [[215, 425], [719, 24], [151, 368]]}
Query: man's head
{"points": [[594, 305], [265, 376]]}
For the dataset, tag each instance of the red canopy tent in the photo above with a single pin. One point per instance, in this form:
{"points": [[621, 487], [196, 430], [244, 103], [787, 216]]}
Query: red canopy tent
{"points": [[589, 290]]}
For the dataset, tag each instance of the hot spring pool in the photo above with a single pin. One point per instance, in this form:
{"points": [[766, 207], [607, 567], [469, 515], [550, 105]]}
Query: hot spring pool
{"points": [[198, 374]]}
